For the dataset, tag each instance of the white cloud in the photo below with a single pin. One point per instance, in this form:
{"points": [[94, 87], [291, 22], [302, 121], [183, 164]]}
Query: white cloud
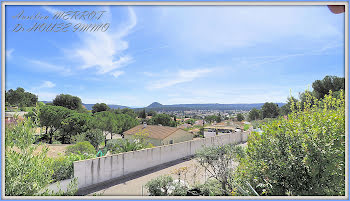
{"points": [[117, 73], [48, 84], [181, 76], [44, 85], [261, 60], [102, 50], [9, 53], [46, 66]]}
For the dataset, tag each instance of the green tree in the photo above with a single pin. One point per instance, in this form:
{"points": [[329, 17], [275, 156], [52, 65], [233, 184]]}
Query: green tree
{"points": [[20, 98], [254, 114], [143, 114], [286, 109], [26, 173], [163, 119], [269, 110], [301, 155], [68, 101], [217, 161], [74, 124], [100, 107], [190, 121], [212, 118], [106, 121], [51, 117], [151, 113], [329, 83], [94, 136], [240, 117]]}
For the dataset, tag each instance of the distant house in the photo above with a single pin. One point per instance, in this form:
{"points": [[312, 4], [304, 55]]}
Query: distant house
{"points": [[13, 117], [160, 135]]}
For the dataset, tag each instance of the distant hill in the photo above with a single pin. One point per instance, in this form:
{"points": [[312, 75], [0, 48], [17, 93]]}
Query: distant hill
{"points": [[213, 106], [183, 107], [89, 106], [154, 105]]}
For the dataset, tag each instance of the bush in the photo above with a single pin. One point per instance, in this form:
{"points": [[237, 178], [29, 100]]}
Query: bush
{"points": [[94, 136], [166, 186], [63, 165], [301, 155], [26, 173], [81, 148], [139, 141], [211, 187]]}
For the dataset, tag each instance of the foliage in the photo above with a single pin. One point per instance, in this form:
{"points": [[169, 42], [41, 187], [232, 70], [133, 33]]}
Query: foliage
{"points": [[286, 109], [63, 166], [329, 83], [246, 127], [165, 185], [20, 98], [25, 173], [67, 101], [138, 141], [301, 155], [100, 107], [211, 187], [94, 136], [240, 117], [74, 124], [269, 110], [254, 114], [212, 118], [219, 162], [81, 148], [142, 114], [159, 186], [190, 121], [163, 119], [51, 117]]}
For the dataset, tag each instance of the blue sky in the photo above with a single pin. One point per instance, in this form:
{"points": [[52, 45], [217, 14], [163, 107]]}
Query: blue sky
{"points": [[176, 54]]}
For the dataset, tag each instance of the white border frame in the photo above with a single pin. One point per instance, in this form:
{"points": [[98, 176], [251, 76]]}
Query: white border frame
{"points": [[182, 3]]}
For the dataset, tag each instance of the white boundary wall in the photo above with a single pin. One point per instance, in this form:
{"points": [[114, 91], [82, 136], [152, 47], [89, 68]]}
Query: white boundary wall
{"points": [[94, 171]]}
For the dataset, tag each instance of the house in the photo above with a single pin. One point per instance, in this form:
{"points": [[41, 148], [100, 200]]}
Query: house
{"points": [[160, 135], [12, 117]]}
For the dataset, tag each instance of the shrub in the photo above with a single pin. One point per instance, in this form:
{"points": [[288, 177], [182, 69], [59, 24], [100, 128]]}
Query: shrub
{"points": [[26, 173], [63, 165], [219, 162], [301, 155], [139, 141], [94, 136], [166, 186], [81, 148], [211, 187]]}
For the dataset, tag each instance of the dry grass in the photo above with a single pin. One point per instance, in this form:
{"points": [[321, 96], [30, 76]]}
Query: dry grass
{"points": [[54, 149]]}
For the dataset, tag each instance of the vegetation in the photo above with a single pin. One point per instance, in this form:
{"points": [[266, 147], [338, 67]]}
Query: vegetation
{"points": [[100, 107], [254, 114], [166, 186], [94, 136], [213, 118], [138, 141], [269, 110], [81, 148], [20, 98], [163, 119], [67, 101], [301, 155], [240, 117], [26, 173]]}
